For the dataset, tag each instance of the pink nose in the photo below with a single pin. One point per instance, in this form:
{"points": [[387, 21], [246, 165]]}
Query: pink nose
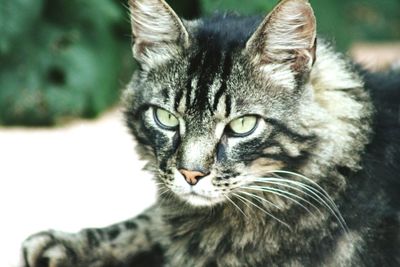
{"points": [[192, 177]]}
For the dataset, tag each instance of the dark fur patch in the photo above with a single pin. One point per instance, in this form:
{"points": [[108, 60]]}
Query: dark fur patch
{"points": [[151, 258]]}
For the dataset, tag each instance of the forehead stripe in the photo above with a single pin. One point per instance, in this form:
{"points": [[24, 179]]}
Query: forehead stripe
{"points": [[194, 63], [226, 71], [178, 98], [228, 105], [208, 71]]}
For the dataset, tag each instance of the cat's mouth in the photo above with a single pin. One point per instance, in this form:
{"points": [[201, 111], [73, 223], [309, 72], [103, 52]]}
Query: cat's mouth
{"points": [[202, 193], [197, 199]]}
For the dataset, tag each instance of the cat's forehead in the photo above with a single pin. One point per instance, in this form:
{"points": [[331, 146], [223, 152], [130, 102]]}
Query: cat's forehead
{"points": [[213, 78], [210, 87]]}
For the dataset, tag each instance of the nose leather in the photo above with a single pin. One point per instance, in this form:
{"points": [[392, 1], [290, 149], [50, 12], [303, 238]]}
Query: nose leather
{"points": [[192, 177]]}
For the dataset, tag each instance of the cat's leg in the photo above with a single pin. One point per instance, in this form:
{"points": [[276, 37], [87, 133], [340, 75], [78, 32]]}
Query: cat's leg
{"points": [[111, 246]]}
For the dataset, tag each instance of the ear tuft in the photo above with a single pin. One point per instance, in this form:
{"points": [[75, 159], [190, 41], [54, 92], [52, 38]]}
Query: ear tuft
{"points": [[158, 32], [287, 35]]}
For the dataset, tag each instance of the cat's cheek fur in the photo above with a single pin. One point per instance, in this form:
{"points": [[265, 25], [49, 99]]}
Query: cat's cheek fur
{"points": [[162, 141]]}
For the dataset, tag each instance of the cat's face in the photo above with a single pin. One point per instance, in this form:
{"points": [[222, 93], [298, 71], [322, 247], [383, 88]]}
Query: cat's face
{"points": [[216, 111]]}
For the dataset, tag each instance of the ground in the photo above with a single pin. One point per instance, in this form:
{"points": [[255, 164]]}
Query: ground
{"points": [[84, 174]]}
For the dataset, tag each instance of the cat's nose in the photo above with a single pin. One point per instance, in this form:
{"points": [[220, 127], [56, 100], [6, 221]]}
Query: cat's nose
{"points": [[192, 177]]}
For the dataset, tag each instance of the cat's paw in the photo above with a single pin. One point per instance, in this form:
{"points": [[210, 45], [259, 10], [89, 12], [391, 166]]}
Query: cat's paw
{"points": [[49, 249]]}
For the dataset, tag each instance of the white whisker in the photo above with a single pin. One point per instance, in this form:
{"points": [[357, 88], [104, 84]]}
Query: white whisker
{"points": [[315, 195], [162, 193], [261, 199], [310, 181], [320, 190], [282, 183], [234, 204], [266, 212], [165, 195], [282, 193]]}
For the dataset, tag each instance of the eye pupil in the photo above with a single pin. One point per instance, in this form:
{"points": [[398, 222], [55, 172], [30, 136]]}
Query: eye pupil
{"points": [[243, 126], [165, 119]]}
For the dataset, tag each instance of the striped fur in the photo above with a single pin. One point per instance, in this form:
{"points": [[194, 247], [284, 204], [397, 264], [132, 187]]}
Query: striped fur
{"points": [[301, 189]]}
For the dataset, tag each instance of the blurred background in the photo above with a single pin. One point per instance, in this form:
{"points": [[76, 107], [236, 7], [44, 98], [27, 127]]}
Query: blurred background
{"points": [[66, 159]]}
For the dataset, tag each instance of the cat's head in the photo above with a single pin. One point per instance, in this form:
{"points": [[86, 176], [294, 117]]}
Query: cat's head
{"points": [[221, 102]]}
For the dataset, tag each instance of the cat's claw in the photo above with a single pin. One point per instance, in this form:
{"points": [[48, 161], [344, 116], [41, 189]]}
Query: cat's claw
{"points": [[46, 250]]}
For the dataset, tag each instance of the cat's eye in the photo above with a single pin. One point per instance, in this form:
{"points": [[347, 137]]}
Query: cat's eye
{"points": [[165, 119], [243, 126]]}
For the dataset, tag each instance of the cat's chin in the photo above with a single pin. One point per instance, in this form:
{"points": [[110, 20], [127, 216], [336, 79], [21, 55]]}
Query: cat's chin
{"points": [[197, 200]]}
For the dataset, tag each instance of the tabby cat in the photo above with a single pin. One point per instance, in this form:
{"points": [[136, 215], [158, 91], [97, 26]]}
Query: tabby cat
{"points": [[268, 148]]}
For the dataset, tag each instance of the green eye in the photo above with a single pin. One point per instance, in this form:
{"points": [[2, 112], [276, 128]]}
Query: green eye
{"points": [[165, 119], [243, 126]]}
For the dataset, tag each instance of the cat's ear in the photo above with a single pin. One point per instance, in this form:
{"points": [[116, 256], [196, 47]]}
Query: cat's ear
{"points": [[287, 35], [158, 32]]}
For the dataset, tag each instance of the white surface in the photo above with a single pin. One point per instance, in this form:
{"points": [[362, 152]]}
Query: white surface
{"points": [[86, 174]]}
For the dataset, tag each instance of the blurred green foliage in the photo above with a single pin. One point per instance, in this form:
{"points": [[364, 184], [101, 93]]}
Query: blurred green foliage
{"points": [[14, 16], [61, 61], [68, 58], [249, 7], [343, 21], [347, 21]]}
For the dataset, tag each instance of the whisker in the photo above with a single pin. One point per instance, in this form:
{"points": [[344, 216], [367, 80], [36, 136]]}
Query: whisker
{"points": [[320, 190], [234, 204], [316, 195], [284, 194], [282, 183], [239, 197], [261, 199], [162, 193], [266, 212], [315, 191], [165, 196], [310, 181]]}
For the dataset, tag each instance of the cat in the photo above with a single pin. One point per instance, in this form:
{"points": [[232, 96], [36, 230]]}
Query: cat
{"points": [[268, 148]]}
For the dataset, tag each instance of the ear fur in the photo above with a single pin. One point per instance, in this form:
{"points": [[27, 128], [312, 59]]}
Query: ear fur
{"points": [[286, 36], [158, 32]]}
